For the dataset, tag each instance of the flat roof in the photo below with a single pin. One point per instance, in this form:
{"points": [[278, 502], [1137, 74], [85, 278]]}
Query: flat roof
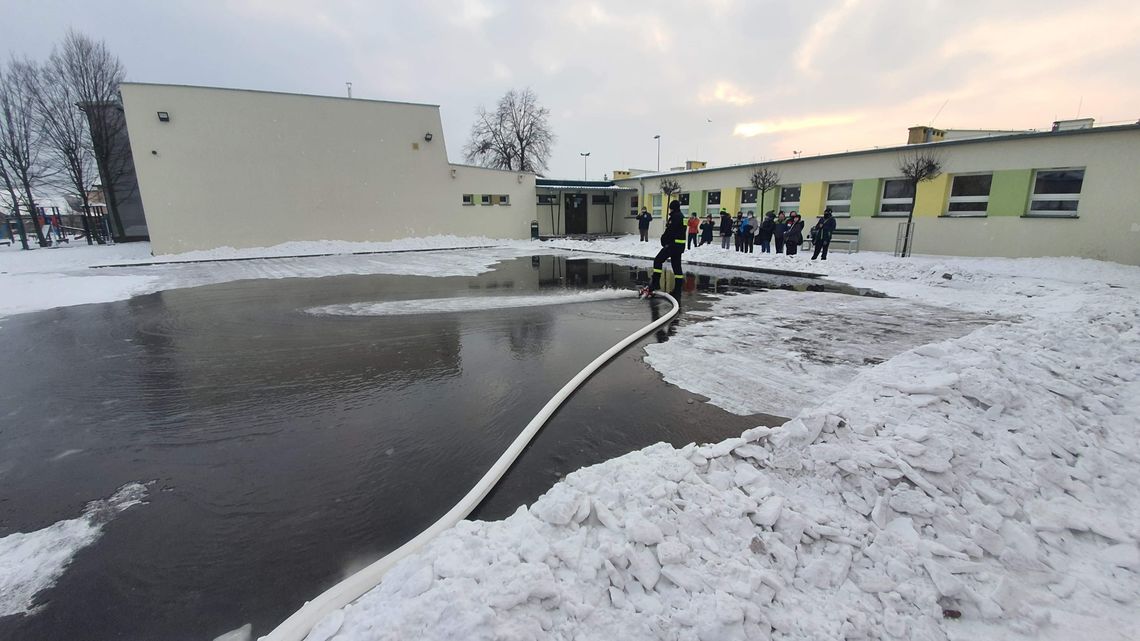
{"points": [[279, 93], [587, 185], [878, 150]]}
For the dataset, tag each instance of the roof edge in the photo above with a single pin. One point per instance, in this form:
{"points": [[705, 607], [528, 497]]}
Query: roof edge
{"points": [[279, 93]]}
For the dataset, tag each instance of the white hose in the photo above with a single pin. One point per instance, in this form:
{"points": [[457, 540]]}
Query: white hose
{"points": [[297, 626]]}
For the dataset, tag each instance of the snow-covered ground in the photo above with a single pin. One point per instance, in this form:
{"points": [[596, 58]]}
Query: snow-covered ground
{"points": [[976, 484], [70, 275]]}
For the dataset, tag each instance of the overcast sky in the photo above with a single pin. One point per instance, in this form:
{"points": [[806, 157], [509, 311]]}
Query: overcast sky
{"points": [[726, 81]]}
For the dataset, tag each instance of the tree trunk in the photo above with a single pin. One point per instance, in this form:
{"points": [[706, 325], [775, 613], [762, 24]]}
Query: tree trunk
{"points": [[20, 227], [86, 224], [112, 202], [35, 222]]}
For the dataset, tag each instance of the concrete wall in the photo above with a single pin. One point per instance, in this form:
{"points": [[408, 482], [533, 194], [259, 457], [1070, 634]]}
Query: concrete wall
{"points": [[248, 168], [1107, 226]]}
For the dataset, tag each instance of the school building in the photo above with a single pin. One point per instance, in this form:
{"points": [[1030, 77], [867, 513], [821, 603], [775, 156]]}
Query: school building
{"points": [[228, 167]]}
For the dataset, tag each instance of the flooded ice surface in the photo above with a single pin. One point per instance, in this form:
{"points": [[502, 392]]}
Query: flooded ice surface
{"points": [[776, 352], [467, 303], [32, 561], [289, 449]]}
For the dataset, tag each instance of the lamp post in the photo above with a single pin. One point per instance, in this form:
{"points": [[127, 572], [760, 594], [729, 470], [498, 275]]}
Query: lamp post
{"points": [[658, 139], [585, 155]]}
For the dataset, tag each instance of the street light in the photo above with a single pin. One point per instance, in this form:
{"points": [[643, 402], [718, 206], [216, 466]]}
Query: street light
{"points": [[658, 139], [584, 156]]}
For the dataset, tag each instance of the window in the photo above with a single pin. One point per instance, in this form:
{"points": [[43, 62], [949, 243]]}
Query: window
{"points": [[547, 199], [683, 199], [969, 195], [714, 198], [839, 198], [501, 199], [485, 199], [789, 199], [898, 197], [468, 199], [1056, 192], [600, 199], [748, 197], [633, 205], [656, 204]]}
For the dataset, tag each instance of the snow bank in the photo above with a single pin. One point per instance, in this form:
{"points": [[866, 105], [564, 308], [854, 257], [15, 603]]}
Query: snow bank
{"points": [[467, 303], [31, 562], [978, 487], [60, 276]]}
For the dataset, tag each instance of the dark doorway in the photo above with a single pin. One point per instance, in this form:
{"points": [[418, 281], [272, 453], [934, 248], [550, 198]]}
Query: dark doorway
{"points": [[576, 213]]}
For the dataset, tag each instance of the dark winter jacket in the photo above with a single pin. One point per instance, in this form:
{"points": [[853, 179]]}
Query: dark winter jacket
{"points": [[725, 225], [780, 229], [707, 230], [674, 234], [795, 235], [643, 220], [827, 229], [764, 234]]}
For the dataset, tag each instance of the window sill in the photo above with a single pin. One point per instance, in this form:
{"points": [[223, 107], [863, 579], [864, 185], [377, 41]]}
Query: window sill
{"points": [[1039, 216], [468, 204], [888, 216], [969, 216]]}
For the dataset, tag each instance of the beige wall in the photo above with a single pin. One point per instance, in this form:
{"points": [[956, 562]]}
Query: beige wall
{"points": [[1108, 227], [248, 168]]}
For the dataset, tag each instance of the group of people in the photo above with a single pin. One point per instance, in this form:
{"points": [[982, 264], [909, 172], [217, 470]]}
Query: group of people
{"points": [[785, 230]]}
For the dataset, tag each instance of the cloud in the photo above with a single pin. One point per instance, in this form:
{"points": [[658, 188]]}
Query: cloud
{"points": [[751, 129], [821, 32], [727, 93]]}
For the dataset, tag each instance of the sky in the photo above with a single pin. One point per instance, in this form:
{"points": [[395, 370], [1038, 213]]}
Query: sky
{"points": [[723, 81]]}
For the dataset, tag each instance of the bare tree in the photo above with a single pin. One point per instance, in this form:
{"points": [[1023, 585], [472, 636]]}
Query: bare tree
{"points": [[515, 136], [20, 140], [66, 134], [12, 200], [93, 75], [764, 180], [669, 186], [916, 166]]}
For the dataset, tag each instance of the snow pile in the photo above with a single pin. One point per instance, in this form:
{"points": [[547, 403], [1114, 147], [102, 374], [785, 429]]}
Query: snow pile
{"points": [[31, 562], [987, 477], [467, 303], [778, 351]]}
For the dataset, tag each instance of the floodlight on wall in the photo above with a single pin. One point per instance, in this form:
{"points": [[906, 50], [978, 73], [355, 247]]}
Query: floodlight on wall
{"points": [[427, 137], [164, 116]]}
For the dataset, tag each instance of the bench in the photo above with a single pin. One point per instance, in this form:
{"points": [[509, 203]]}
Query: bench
{"points": [[849, 237]]}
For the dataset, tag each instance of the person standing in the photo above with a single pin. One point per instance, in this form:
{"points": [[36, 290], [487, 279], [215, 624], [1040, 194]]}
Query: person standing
{"points": [[725, 229], [826, 229], [643, 220], [779, 231], [764, 234], [694, 226], [795, 235], [672, 246], [737, 228], [707, 228], [750, 237]]}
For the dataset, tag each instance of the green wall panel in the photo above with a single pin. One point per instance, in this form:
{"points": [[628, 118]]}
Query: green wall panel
{"points": [[865, 197], [1009, 192]]}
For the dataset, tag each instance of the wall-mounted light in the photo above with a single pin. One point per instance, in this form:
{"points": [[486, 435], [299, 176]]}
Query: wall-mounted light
{"points": [[427, 137], [164, 116], [453, 173]]}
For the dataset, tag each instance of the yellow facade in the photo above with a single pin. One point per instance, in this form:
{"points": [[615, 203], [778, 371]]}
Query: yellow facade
{"points": [[811, 199], [932, 196]]}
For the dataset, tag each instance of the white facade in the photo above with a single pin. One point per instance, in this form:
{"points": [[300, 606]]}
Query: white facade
{"points": [[248, 168]]}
